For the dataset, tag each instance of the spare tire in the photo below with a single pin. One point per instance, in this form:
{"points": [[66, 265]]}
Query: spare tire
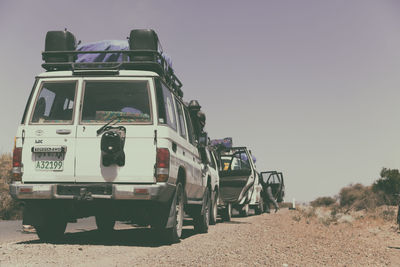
{"points": [[59, 41], [143, 39]]}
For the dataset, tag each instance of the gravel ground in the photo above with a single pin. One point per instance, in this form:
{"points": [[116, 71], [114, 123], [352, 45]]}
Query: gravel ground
{"points": [[282, 239]]}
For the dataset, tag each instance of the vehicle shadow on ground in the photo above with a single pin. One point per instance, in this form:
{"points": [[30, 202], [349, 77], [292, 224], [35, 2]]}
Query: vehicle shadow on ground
{"points": [[237, 215], [140, 237], [236, 222]]}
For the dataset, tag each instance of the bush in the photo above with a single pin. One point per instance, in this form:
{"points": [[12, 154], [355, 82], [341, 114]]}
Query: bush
{"points": [[283, 205], [323, 202], [9, 208], [360, 197], [5, 168], [388, 186]]}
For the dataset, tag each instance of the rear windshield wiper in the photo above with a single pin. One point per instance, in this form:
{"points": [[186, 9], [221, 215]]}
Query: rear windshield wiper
{"points": [[115, 120]]}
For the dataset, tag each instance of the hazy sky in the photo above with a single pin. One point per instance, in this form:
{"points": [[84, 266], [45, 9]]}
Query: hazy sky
{"points": [[312, 87]]}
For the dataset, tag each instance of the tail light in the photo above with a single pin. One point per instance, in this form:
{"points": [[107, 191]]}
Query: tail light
{"points": [[162, 171], [17, 164]]}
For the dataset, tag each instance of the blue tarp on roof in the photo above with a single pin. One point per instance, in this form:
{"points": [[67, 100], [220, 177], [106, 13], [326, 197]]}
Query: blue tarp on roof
{"points": [[108, 45], [243, 156], [102, 46], [226, 142]]}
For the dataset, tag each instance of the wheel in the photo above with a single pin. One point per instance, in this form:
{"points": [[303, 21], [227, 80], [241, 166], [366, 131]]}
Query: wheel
{"points": [[173, 234], [245, 211], [202, 218], [260, 208], [104, 224], [227, 213], [51, 230], [214, 208]]}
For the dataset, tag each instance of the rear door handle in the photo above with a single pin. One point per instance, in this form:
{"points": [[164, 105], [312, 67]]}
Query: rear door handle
{"points": [[63, 131], [174, 147]]}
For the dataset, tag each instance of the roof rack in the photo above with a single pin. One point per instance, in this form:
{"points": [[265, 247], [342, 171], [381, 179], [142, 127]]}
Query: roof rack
{"points": [[61, 54]]}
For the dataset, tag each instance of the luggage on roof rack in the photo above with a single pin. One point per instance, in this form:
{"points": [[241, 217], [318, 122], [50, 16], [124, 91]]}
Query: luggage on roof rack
{"points": [[225, 143], [144, 53]]}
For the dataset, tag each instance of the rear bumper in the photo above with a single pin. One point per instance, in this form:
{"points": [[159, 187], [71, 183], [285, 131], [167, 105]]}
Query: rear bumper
{"points": [[161, 192]]}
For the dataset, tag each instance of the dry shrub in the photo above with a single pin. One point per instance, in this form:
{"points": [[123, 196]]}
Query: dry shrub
{"points": [[389, 215], [5, 169], [359, 197], [323, 202], [344, 218], [323, 215], [306, 211], [9, 208], [386, 213], [285, 205], [296, 217]]}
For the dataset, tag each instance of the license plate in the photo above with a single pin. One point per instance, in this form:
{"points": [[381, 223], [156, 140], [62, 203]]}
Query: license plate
{"points": [[49, 162], [49, 165]]}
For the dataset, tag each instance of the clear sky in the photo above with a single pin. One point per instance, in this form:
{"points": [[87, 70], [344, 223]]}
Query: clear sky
{"points": [[312, 87]]}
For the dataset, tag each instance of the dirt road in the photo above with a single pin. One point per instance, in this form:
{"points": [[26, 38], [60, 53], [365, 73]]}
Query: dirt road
{"points": [[282, 239]]}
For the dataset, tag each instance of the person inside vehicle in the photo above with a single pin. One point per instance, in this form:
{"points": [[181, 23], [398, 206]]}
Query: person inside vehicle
{"points": [[198, 118], [40, 109], [198, 121]]}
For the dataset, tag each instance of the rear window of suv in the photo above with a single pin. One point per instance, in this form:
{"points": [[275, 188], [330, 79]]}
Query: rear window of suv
{"points": [[55, 103], [106, 100]]}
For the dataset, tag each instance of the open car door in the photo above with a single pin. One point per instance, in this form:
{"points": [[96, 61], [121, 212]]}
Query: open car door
{"points": [[275, 180]]}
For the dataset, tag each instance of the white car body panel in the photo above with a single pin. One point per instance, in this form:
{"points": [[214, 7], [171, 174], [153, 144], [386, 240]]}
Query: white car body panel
{"points": [[82, 163]]}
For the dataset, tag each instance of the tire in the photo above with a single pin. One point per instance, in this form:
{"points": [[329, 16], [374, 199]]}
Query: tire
{"points": [[245, 211], [173, 234], [227, 213], [105, 224], [214, 208], [260, 208], [51, 230], [201, 220]]}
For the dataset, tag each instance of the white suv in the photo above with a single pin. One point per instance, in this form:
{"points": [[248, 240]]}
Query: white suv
{"points": [[110, 140]]}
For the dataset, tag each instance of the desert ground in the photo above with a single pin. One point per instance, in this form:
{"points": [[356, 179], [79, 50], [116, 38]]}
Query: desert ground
{"points": [[287, 238]]}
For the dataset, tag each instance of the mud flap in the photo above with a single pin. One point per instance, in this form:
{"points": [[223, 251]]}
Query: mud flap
{"points": [[33, 214], [172, 212], [203, 206]]}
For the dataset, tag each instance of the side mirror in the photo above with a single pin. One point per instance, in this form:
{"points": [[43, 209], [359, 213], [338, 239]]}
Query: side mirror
{"points": [[203, 138]]}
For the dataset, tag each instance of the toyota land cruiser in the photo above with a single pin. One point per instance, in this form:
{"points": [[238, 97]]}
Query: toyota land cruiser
{"points": [[106, 133]]}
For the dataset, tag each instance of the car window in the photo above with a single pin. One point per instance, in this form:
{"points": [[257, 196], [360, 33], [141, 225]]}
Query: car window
{"points": [[105, 100], [29, 101], [237, 161], [189, 127], [55, 103], [225, 161], [165, 106], [265, 177], [211, 159], [243, 159], [181, 119]]}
